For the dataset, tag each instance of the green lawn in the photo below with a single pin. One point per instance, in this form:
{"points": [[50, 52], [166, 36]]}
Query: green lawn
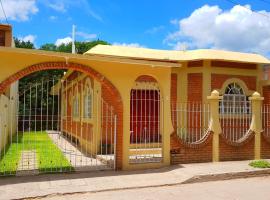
{"points": [[49, 156]]}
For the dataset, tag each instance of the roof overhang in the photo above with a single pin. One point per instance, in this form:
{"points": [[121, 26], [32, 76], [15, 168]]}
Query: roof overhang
{"points": [[68, 57], [172, 56]]}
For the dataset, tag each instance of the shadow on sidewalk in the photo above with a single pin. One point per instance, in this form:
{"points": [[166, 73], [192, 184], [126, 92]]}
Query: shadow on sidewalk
{"points": [[79, 175]]}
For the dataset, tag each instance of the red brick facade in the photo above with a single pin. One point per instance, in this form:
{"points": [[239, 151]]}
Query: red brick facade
{"points": [[173, 98], [236, 151], [182, 152], [195, 87], [265, 147], [266, 94], [217, 81], [202, 152]]}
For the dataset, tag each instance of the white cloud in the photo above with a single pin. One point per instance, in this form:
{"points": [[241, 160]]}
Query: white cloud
{"points": [[65, 40], [78, 5], [86, 36], [18, 10], [236, 29], [154, 29], [174, 21], [30, 38], [137, 45], [53, 18], [58, 6]]}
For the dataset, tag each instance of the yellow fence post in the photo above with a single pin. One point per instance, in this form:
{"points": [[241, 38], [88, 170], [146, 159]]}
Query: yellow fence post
{"points": [[214, 124], [256, 122]]}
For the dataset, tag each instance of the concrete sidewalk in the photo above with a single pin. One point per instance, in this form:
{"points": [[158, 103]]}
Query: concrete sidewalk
{"points": [[42, 185]]}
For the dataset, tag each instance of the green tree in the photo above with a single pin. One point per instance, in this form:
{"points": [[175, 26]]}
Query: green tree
{"points": [[22, 44], [50, 77], [48, 47], [81, 47]]}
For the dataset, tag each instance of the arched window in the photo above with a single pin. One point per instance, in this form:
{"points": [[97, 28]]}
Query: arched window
{"points": [[234, 100], [88, 101]]}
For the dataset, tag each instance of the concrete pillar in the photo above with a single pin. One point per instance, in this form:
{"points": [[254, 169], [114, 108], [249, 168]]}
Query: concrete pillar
{"points": [[214, 124], [206, 79], [256, 122]]}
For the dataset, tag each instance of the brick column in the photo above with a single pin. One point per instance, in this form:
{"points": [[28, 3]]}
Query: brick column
{"points": [[256, 122], [214, 125]]}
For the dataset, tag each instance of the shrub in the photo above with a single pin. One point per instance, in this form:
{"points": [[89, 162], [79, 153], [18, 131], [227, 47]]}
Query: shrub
{"points": [[260, 164]]}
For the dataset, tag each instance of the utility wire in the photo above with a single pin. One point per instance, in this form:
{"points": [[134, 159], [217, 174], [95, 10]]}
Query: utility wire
{"points": [[258, 13], [4, 11]]}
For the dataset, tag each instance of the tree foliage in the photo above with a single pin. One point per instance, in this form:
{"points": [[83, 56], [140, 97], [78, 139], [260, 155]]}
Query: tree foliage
{"points": [[81, 47], [47, 76], [22, 44]]}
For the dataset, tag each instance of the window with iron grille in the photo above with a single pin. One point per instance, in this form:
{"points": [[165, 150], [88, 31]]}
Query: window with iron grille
{"points": [[76, 105], [234, 100], [64, 107], [88, 99]]}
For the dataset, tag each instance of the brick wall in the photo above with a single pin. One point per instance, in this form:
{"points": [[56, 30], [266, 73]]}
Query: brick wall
{"points": [[146, 78], [173, 98], [266, 94], [186, 153], [234, 151], [235, 65], [195, 87], [217, 80], [265, 147]]}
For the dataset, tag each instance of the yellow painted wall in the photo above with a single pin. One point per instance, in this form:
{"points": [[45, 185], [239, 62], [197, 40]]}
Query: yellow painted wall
{"points": [[122, 76]]}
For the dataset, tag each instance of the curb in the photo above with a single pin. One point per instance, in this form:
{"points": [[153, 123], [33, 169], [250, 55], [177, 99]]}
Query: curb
{"points": [[194, 179], [227, 176]]}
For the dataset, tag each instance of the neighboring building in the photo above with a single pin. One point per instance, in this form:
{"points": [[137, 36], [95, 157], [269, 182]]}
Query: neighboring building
{"points": [[8, 100]]}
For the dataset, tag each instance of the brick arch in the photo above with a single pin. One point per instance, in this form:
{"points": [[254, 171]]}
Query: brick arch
{"points": [[146, 78], [115, 95]]}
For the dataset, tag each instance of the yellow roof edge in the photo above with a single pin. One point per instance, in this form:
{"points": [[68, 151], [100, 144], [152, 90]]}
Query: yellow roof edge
{"points": [[177, 56]]}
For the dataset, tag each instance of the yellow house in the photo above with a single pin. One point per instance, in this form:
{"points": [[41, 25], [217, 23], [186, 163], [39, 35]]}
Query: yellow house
{"points": [[137, 108]]}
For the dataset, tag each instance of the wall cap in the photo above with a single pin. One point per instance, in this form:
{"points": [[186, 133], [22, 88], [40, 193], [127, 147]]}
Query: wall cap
{"points": [[256, 96], [214, 96]]}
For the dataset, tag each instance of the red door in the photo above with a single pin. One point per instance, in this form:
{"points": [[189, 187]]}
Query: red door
{"points": [[144, 116]]}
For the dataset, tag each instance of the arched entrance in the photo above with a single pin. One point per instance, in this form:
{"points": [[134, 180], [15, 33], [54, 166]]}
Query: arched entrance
{"points": [[146, 111], [84, 129]]}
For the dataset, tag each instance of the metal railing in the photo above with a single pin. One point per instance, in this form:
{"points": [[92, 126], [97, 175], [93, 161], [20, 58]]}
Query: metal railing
{"points": [[44, 135], [235, 119], [265, 111], [191, 120], [146, 123]]}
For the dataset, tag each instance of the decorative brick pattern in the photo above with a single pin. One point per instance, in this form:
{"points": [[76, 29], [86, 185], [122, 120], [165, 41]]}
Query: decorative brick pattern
{"points": [[110, 88]]}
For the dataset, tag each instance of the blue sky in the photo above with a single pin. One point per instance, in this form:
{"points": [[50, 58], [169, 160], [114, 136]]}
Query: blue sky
{"points": [[148, 23]]}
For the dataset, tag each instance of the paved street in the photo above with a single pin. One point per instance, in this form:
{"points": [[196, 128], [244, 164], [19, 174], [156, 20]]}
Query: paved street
{"points": [[102, 181], [247, 189]]}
